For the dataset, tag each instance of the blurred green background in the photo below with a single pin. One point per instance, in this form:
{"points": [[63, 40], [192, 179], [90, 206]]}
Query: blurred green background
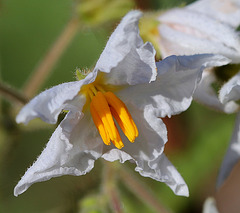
{"points": [[197, 138]]}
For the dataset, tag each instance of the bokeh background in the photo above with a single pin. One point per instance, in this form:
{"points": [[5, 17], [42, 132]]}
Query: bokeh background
{"points": [[197, 138]]}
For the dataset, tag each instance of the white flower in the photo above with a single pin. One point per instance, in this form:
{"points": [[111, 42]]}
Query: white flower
{"points": [[127, 84], [208, 26], [210, 206], [227, 11], [185, 31], [203, 27]]}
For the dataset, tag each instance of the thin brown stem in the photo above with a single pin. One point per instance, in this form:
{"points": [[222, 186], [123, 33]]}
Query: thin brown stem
{"points": [[12, 94], [110, 189], [45, 67], [140, 190]]}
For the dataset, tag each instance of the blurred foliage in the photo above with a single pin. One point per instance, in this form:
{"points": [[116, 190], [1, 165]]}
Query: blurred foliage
{"points": [[27, 30]]}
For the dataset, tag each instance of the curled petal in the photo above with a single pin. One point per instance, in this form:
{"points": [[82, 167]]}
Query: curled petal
{"points": [[227, 11], [129, 60], [147, 151], [230, 90], [232, 155], [206, 95], [176, 82], [48, 104], [72, 150], [186, 32]]}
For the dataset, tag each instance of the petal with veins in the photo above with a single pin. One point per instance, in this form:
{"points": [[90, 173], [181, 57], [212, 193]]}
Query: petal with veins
{"points": [[177, 79], [48, 104], [129, 60], [147, 151], [186, 32], [68, 152], [227, 11]]}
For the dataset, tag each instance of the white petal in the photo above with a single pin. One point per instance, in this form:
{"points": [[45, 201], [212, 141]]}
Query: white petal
{"points": [[230, 90], [129, 60], [185, 32], [177, 79], [232, 155], [210, 206], [227, 11], [147, 151], [72, 150], [48, 104], [206, 95]]}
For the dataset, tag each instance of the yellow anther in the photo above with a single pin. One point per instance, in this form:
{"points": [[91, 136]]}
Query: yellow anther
{"points": [[130, 135], [101, 106], [123, 117], [99, 124], [118, 141]]}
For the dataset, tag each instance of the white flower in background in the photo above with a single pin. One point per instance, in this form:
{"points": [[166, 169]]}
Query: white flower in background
{"points": [[125, 85], [203, 27], [210, 206], [231, 92], [185, 31], [227, 11], [209, 27]]}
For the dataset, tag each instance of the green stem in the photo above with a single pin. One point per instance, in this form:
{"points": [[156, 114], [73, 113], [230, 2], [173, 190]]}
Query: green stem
{"points": [[12, 94]]}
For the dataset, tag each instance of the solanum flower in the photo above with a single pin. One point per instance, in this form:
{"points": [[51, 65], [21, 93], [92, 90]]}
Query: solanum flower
{"points": [[227, 11], [114, 112], [186, 31], [203, 27], [208, 27]]}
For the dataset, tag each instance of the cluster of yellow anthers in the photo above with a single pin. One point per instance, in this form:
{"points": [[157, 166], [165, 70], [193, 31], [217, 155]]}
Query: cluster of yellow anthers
{"points": [[103, 107]]}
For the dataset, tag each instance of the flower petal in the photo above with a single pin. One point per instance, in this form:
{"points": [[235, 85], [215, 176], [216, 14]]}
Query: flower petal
{"points": [[72, 150], [186, 32], [48, 104], [147, 150], [232, 155], [210, 206], [206, 95], [129, 60], [227, 11], [230, 90], [177, 79]]}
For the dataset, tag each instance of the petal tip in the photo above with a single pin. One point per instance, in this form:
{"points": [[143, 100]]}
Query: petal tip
{"points": [[19, 189], [182, 190]]}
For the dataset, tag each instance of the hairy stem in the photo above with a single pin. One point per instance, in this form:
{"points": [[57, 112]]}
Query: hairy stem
{"points": [[12, 94], [45, 67], [141, 190]]}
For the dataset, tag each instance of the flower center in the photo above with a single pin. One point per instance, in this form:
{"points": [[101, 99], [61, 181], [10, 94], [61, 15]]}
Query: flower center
{"points": [[103, 107]]}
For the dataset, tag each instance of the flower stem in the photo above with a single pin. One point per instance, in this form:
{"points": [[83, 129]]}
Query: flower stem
{"points": [[141, 190], [110, 189], [45, 67], [12, 94]]}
